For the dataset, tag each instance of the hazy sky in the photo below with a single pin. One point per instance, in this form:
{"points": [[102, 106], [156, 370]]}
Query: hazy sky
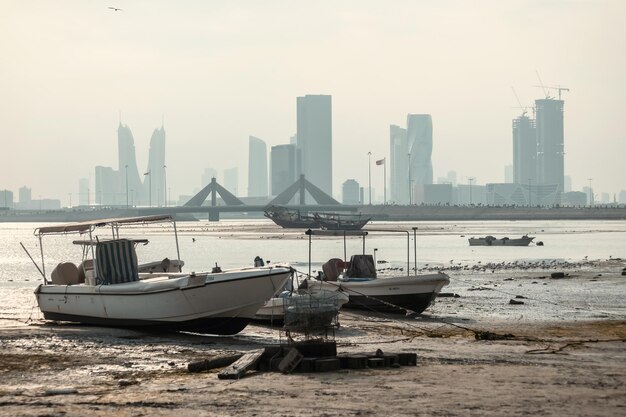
{"points": [[219, 71]]}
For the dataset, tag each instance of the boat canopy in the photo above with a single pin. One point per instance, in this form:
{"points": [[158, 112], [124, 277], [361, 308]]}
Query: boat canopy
{"points": [[82, 227], [336, 232]]}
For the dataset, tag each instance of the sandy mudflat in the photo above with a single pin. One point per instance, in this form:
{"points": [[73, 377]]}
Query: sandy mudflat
{"points": [[563, 357]]}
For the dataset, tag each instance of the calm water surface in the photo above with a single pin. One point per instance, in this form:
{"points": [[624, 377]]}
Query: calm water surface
{"points": [[234, 243]]}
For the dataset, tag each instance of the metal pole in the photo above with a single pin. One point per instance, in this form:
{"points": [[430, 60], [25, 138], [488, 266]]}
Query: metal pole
{"points": [[410, 191], [369, 172], [385, 179], [126, 168], [180, 267], [415, 248], [309, 253], [408, 257], [165, 187]]}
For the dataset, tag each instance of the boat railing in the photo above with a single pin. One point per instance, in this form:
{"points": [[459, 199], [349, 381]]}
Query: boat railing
{"points": [[363, 233]]}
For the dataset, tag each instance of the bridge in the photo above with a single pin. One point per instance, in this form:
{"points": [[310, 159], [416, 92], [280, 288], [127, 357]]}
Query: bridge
{"points": [[233, 204]]}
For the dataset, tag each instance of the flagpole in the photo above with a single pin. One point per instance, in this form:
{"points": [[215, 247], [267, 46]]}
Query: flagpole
{"points": [[385, 179]]}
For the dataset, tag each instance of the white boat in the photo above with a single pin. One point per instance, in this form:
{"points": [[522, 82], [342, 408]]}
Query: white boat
{"points": [[115, 293], [367, 291], [320, 300]]}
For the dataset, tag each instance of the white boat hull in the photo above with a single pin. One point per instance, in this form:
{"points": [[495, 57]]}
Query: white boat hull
{"points": [[220, 303], [394, 294]]}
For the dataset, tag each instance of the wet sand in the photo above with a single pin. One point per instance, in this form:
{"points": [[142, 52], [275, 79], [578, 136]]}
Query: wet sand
{"points": [[563, 353]]}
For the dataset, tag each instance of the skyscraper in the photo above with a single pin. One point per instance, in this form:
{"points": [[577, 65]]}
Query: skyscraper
{"points": [[549, 125], [257, 168], [231, 180], [524, 150], [156, 168], [398, 165], [107, 186], [315, 140], [419, 132], [350, 192], [83, 191], [282, 167], [127, 166]]}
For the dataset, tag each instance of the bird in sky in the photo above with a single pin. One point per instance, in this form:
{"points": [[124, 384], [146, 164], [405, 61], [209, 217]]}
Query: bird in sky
{"points": [[115, 9]]}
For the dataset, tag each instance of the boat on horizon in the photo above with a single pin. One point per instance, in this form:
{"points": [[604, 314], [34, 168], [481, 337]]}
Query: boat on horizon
{"points": [[108, 289], [505, 241], [410, 293], [295, 219]]}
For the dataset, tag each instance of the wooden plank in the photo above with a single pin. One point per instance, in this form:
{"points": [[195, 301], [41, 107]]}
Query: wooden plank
{"points": [[214, 362], [290, 361], [238, 369]]}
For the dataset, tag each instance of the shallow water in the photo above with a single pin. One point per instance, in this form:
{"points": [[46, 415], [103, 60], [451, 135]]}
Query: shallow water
{"points": [[234, 243]]}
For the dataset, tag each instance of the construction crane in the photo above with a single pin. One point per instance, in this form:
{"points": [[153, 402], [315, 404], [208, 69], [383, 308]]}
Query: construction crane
{"points": [[559, 88], [545, 88], [524, 109]]}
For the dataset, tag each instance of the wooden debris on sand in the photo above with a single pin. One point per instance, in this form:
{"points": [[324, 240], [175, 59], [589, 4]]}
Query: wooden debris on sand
{"points": [[242, 365]]}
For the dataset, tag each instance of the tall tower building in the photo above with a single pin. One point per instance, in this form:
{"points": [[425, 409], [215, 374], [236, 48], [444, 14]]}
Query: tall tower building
{"points": [[83, 192], [231, 180], [524, 150], [156, 167], [127, 166], [257, 168], [107, 186], [549, 126], [282, 167], [315, 140], [398, 165], [350, 192], [25, 195], [419, 132]]}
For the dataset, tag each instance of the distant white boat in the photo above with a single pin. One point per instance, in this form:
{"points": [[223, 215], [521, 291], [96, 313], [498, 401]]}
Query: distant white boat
{"points": [[107, 288]]}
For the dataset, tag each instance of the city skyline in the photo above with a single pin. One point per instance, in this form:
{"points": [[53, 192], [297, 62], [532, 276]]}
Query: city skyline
{"points": [[72, 68]]}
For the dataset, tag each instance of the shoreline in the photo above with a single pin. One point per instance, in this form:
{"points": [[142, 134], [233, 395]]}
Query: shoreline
{"points": [[477, 355]]}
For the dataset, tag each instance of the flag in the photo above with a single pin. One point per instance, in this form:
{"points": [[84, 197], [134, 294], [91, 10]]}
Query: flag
{"points": [[380, 162]]}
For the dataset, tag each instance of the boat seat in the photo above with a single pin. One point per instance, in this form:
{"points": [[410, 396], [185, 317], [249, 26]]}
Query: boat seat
{"points": [[65, 273], [332, 269], [116, 262], [361, 266], [85, 269]]}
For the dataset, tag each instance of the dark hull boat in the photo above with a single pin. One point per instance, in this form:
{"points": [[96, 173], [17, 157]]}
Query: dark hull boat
{"points": [[294, 219], [505, 241]]}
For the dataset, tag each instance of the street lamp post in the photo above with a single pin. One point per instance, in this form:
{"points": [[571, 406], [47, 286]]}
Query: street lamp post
{"points": [[165, 185], [470, 179], [149, 174], [126, 170], [410, 188], [369, 175]]}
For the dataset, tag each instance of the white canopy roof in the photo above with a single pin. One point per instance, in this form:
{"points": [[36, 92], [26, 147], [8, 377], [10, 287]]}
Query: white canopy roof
{"points": [[81, 227]]}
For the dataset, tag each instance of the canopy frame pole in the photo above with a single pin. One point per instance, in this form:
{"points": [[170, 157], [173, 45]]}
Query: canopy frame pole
{"points": [[43, 264], [180, 267], [45, 281]]}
